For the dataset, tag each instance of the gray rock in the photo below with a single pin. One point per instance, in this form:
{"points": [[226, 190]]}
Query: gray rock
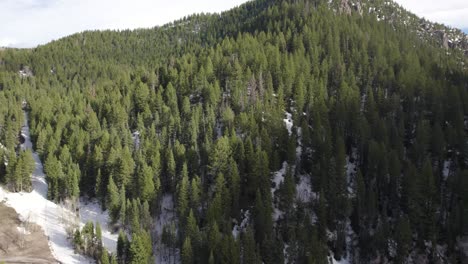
{"points": [[345, 7], [442, 37]]}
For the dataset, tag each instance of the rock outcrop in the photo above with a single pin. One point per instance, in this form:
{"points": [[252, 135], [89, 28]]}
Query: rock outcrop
{"points": [[345, 7], [442, 37]]}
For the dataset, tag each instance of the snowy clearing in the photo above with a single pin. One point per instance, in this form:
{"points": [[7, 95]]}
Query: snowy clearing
{"points": [[91, 211], [164, 254], [304, 189], [54, 219]]}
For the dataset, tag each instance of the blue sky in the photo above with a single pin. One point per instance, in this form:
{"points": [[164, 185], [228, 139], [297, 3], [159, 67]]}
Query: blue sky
{"points": [[27, 23]]}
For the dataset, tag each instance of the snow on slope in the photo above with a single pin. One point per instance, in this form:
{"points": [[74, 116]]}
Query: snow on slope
{"points": [[53, 218], [351, 175], [446, 170], [166, 217], [239, 228], [91, 211], [278, 178], [288, 123], [304, 191]]}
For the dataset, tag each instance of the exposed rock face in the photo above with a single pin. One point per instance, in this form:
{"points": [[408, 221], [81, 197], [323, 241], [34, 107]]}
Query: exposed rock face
{"points": [[443, 38], [358, 8], [345, 8], [25, 72]]}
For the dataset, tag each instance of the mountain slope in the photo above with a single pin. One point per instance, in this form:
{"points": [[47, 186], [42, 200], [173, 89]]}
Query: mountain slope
{"points": [[278, 131]]}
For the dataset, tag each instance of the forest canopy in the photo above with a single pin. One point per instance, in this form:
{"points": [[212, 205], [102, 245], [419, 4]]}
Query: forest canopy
{"points": [[276, 132]]}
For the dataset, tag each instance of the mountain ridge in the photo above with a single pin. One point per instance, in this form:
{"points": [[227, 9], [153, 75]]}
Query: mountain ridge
{"points": [[276, 132]]}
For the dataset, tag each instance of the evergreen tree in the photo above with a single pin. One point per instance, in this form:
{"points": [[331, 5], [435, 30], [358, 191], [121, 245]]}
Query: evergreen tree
{"points": [[113, 201], [104, 257], [187, 253]]}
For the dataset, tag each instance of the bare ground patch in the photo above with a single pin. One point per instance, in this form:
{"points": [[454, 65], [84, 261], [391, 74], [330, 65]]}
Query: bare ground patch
{"points": [[22, 242]]}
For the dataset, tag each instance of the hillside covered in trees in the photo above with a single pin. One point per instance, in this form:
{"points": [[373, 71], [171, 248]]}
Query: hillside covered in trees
{"points": [[280, 131]]}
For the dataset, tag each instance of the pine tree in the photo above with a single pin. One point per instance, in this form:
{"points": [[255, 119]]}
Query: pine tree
{"points": [[147, 188], [170, 170], [98, 188], [182, 197], [98, 236], [113, 260], [122, 247], [27, 169], [138, 249], [195, 193], [113, 200], [123, 207], [220, 156], [187, 253], [135, 216], [234, 187], [211, 259], [124, 168], [191, 230], [249, 251], [104, 257], [53, 170], [428, 202], [403, 239]]}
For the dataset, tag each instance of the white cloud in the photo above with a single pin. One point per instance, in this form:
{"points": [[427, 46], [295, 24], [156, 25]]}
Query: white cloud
{"points": [[7, 42], [450, 12], [26, 23]]}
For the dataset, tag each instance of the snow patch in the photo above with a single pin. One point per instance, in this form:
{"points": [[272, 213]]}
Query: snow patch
{"points": [[54, 219], [136, 139], [288, 122], [90, 211], [239, 228], [350, 236], [304, 189], [350, 175], [278, 177], [277, 214], [165, 218], [167, 214], [446, 170]]}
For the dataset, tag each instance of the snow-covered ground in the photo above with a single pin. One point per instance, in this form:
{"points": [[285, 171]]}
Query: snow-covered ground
{"points": [[446, 170], [91, 211], [304, 192], [53, 218], [350, 246], [288, 122], [165, 218], [350, 176], [136, 139], [278, 178], [239, 228]]}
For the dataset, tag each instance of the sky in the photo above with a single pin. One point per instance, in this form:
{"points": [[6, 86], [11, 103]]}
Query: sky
{"points": [[28, 23]]}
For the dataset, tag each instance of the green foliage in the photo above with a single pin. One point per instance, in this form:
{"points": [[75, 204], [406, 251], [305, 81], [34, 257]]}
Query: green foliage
{"points": [[195, 110], [140, 248], [113, 199]]}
